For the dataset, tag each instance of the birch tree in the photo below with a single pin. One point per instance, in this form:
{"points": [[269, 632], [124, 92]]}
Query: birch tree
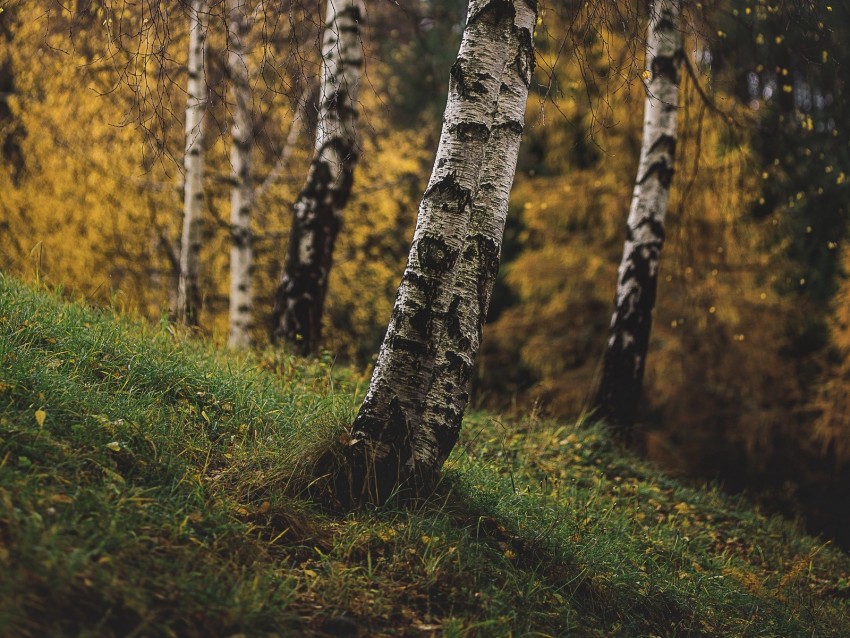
{"points": [[317, 212], [625, 355], [241, 200], [408, 421], [188, 290]]}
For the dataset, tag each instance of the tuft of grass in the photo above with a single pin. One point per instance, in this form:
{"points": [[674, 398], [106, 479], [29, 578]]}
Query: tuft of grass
{"points": [[152, 486]]}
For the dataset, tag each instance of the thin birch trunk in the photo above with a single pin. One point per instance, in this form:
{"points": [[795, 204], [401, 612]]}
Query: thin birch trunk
{"points": [[478, 265], [317, 213], [241, 199], [379, 454], [188, 289], [625, 356]]}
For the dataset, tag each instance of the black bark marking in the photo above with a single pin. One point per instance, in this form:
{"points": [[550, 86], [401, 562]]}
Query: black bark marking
{"points": [[665, 66], [240, 237], [468, 84], [494, 14], [512, 126], [453, 327], [408, 345], [353, 13], [417, 281], [664, 143], [524, 60], [420, 321], [471, 132], [656, 229], [665, 23], [448, 190], [489, 256], [663, 172], [458, 365], [435, 255]]}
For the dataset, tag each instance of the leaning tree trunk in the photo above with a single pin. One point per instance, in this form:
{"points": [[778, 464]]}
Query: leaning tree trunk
{"points": [[241, 255], [300, 296], [379, 456], [625, 356], [188, 289], [478, 265]]}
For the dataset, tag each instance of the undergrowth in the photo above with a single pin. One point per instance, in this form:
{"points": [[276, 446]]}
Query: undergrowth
{"points": [[152, 486]]}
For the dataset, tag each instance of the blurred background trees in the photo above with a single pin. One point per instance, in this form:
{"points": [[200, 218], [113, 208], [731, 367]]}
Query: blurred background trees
{"points": [[749, 366]]}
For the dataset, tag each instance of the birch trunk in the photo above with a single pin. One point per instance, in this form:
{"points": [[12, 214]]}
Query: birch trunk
{"points": [[625, 356], [241, 199], [188, 289], [300, 296], [379, 454], [479, 261]]}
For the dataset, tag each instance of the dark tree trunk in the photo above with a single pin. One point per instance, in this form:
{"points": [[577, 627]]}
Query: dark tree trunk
{"points": [[300, 296], [625, 356]]}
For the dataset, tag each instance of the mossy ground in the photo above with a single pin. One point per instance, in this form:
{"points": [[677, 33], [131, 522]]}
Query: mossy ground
{"points": [[152, 486]]}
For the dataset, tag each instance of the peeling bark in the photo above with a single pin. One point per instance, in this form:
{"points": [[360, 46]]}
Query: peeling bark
{"points": [[241, 198], [625, 356], [317, 213], [188, 288], [379, 456]]}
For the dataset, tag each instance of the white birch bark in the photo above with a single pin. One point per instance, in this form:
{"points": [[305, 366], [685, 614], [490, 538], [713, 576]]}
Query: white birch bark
{"points": [[317, 213], [478, 265], [241, 199], [625, 355], [188, 289], [380, 450]]}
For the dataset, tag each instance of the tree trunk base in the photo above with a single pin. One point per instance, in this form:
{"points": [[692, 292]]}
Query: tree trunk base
{"points": [[356, 474]]}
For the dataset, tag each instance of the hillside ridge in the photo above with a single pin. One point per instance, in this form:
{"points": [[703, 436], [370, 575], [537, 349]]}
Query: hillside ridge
{"points": [[151, 485]]}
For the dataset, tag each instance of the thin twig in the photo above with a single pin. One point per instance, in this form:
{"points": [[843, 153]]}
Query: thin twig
{"points": [[299, 123], [727, 116]]}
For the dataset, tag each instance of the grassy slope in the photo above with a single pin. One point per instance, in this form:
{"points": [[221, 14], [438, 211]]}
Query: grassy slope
{"points": [[148, 487]]}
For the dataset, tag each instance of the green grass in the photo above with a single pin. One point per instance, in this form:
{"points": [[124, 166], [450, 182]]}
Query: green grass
{"points": [[151, 486]]}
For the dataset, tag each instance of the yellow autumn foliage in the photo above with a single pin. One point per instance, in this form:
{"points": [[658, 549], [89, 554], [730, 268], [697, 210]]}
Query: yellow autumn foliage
{"points": [[832, 401], [96, 206]]}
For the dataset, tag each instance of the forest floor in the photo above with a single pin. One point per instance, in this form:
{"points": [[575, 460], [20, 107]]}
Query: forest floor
{"points": [[152, 486]]}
